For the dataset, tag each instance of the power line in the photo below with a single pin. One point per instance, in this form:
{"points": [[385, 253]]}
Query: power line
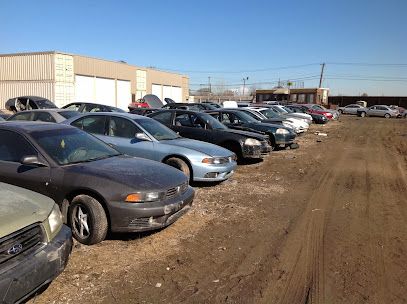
{"points": [[369, 64]]}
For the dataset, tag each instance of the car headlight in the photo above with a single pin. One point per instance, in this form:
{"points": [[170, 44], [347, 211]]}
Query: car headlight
{"points": [[140, 197], [54, 221], [282, 131], [252, 142], [215, 160]]}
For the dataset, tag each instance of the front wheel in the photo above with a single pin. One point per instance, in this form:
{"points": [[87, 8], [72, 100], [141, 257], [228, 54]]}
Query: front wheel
{"points": [[179, 164], [340, 111], [387, 115], [87, 219], [363, 114]]}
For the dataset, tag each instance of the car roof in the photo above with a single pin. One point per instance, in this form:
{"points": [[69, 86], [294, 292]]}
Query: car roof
{"points": [[31, 126], [46, 110], [33, 98], [117, 114]]}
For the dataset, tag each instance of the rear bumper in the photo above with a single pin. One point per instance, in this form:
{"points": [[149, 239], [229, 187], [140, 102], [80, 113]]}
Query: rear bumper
{"points": [[36, 270], [137, 217]]}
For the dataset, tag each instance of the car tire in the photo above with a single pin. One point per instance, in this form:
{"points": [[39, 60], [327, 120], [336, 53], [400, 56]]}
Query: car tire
{"points": [[340, 111], [362, 114], [179, 164], [87, 219], [387, 115]]}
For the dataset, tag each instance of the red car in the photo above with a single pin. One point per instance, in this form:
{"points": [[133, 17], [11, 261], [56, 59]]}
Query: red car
{"points": [[316, 109]]}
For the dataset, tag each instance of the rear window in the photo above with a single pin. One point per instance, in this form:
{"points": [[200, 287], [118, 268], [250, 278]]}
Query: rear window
{"points": [[69, 114]]}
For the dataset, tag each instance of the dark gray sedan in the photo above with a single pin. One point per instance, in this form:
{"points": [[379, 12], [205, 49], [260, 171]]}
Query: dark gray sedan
{"points": [[45, 115], [97, 188]]}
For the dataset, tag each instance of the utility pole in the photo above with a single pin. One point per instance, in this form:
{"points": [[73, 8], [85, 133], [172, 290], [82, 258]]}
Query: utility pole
{"points": [[322, 74], [244, 84]]}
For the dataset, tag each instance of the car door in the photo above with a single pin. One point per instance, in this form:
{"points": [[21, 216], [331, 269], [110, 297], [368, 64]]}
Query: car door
{"points": [[13, 147], [121, 134], [190, 125], [372, 111]]}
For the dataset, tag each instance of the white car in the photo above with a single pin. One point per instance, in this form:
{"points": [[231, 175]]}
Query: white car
{"points": [[298, 125], [289, 113]]}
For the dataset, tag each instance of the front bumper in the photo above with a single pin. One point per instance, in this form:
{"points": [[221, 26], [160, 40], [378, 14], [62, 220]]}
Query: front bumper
{"points": [[213, 173], [252, 151], [35, 269], [285, 139], [137, 217]]}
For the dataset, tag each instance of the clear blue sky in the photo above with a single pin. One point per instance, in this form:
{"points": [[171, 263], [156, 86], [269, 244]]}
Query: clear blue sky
{"points": [[209, 37]]}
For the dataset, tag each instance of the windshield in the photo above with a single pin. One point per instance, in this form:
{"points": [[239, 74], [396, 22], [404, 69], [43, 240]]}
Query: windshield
{"points": [[269, 113], [255, 115], [70, 146], [288, 110], [69, 114], [279, 110], [212, 122], [246, 117], [45, 104], [157, 130]]}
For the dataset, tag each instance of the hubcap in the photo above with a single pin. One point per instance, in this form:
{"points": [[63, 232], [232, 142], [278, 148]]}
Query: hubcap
{"points": [[81, 225]]}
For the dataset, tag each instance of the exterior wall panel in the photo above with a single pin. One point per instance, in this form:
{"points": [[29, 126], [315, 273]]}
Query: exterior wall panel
{"points": [[12, 89], [123, 94], [31, 67]]}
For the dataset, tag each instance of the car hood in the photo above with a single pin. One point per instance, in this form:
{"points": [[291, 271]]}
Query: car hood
{"points": [[20, 208], [200, 146], [126, 173], [255, 135]]}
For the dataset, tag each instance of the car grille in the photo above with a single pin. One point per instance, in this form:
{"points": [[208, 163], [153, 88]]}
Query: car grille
{"points": [[180, 189], [15, 244]]}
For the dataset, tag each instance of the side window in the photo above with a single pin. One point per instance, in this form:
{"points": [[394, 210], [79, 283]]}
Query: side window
{"points": [[197, 122], [225, 118], [183, 119], [13, 146], [93, 124], [195, 108], [22, 116], [92, 108], [121, 127], [74, 107], [43, 116], [164, 118]]}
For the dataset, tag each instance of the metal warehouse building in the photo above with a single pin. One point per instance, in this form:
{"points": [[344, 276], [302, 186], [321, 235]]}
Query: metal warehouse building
{"points": [[65, 78]]}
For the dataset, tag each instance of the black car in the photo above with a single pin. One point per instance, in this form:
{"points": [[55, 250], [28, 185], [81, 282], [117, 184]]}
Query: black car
{"points": [[84, 107], [190, 106], [279, 136], [22, 103], [202, 126], [4, 115], [96, 187], [144, 111], [316, 118]]}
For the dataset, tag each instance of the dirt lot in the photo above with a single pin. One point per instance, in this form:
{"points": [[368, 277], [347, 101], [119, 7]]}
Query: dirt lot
{"points": [[326, 223]]}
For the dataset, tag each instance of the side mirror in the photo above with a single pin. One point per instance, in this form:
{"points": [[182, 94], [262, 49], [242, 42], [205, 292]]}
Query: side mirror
{"points": [[142, 136], [33, 160]]}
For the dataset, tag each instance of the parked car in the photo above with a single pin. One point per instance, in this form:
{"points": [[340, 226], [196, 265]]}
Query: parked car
{"points": [[34, 243], [279, 136], [316, 118], [145, 137], [2, 119], [84, 107], [313, 108], [276, 119], [299, 126], [97, 188], [202, 126], [401, 110], [190, 106], [213, 104], [378, 110], [286, 112], [22, 103], [350, 109], [46, 115]]}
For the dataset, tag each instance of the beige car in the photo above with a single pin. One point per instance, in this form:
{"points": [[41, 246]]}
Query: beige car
{"points": [[34, 244]]}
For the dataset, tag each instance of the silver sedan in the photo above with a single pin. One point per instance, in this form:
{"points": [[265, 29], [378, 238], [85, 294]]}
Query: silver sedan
{"points": [[350, 109]]}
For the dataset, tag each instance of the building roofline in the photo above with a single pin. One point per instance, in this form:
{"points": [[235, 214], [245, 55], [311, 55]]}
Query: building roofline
{"points": [[91, 57]]}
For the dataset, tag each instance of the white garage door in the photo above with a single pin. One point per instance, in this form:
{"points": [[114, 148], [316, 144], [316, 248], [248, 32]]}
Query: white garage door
{"points": [[156, 89], [123, 94], [84, 88], [166, 93], [105, 92], [176, 93]]}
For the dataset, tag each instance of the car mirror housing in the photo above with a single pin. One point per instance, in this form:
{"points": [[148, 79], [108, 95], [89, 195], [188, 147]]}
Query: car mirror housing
{"points": [[142, 136], [33, 160]]}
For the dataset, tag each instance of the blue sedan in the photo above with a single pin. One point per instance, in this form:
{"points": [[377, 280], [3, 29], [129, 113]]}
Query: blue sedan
{"points": [[144, 137]]}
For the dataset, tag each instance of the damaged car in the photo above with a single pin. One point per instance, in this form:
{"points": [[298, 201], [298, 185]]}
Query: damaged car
{"points": [[34, 243], [97, 188]]}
